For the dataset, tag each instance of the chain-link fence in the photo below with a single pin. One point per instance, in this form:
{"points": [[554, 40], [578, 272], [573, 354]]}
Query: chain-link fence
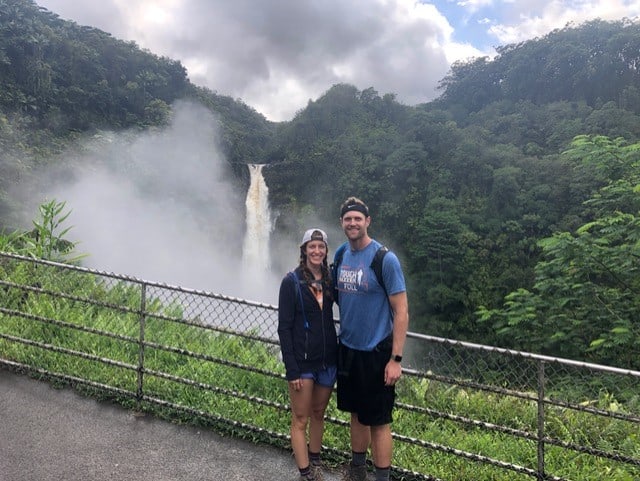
{"points": [[464, 411]]}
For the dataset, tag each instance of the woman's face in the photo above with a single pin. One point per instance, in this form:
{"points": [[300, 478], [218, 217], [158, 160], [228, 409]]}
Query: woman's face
{"points": [[316, 251]]}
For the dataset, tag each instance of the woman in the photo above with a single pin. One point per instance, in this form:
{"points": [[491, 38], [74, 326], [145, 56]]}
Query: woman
{"points": [[308, 343]]}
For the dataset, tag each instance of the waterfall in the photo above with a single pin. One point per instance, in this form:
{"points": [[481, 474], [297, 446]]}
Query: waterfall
{"points": [[255, 253]]}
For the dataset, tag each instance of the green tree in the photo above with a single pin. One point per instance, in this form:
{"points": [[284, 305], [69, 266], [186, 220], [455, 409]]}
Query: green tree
{"points": [[586, 297], [439, 255]]}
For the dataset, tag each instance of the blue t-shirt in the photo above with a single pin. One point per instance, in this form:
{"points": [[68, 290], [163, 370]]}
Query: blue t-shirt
{"points": [[365, 314]]}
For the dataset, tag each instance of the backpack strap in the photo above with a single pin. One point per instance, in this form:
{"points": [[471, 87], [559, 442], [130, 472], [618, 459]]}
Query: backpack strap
{"points": [[337, 260], [296, 282], [376, 266]]}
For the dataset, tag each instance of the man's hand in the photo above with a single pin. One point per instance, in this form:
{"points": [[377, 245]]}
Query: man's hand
{"points": [[392, 372]]}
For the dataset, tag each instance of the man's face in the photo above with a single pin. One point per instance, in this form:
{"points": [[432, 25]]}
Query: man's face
{"points": [[355, 224]]}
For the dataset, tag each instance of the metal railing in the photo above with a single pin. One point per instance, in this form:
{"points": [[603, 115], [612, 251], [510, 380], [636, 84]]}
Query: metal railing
{"points": [[491, 413]]}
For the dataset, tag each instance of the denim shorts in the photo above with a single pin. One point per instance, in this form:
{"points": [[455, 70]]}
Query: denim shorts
{"points": [[325, 378]]}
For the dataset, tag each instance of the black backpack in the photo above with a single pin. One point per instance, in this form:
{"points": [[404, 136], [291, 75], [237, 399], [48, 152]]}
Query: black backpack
{"points": [[376, 265]]}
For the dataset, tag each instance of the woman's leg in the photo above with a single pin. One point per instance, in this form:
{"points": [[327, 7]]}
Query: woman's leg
{"points": [[319, 401], [301, 402]]}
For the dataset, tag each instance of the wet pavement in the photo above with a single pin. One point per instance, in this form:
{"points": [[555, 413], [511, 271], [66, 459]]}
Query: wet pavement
{"points": [[51, 434]]}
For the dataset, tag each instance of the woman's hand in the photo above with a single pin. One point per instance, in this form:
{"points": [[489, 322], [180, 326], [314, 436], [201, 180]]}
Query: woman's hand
{"points": [[296, 384]]}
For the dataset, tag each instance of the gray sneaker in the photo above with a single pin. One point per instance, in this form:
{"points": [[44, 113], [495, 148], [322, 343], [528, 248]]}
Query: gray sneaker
{"points": [[355, 473], [316, 472], [314, 475]]}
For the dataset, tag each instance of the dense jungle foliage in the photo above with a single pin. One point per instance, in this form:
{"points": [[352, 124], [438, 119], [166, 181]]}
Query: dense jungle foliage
{"points": [[511, 199]]}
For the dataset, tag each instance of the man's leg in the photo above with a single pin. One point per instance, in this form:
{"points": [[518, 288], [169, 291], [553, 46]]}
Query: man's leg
{"points": [[360, 440], [381, 450], [360, 435], [381, 445]]}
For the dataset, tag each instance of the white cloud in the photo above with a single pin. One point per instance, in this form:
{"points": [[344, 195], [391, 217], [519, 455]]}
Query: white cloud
{"points": [[276, 55], [528, 20], [475, 5]]}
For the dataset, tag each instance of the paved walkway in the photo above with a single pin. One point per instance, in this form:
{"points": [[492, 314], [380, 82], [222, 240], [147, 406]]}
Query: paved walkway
{"points": [[49, 434]]}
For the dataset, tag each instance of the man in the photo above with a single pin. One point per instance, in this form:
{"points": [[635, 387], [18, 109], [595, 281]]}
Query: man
{"points": [[374, 319]]}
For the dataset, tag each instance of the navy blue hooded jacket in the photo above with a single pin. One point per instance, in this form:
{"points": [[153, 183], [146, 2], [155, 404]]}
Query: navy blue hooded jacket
{"points": [[305, 348]]}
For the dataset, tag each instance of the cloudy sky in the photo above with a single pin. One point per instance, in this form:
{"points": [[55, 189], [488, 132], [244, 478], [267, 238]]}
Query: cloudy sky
{"points": [[276, 55]]}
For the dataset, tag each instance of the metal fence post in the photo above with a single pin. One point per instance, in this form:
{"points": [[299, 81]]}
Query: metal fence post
{"points": [[541, 434], [143, 316]]}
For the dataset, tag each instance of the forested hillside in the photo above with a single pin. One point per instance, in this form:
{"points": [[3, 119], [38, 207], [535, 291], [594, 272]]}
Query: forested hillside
{"points": [[476, 190], [60, 80]]}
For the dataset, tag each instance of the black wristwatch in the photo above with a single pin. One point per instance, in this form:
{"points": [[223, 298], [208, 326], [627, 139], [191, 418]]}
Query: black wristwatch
{"points": [[396, 358]]}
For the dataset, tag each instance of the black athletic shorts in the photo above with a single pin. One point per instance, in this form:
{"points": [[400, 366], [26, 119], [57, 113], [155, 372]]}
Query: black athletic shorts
{"points": [[361, 387]]}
